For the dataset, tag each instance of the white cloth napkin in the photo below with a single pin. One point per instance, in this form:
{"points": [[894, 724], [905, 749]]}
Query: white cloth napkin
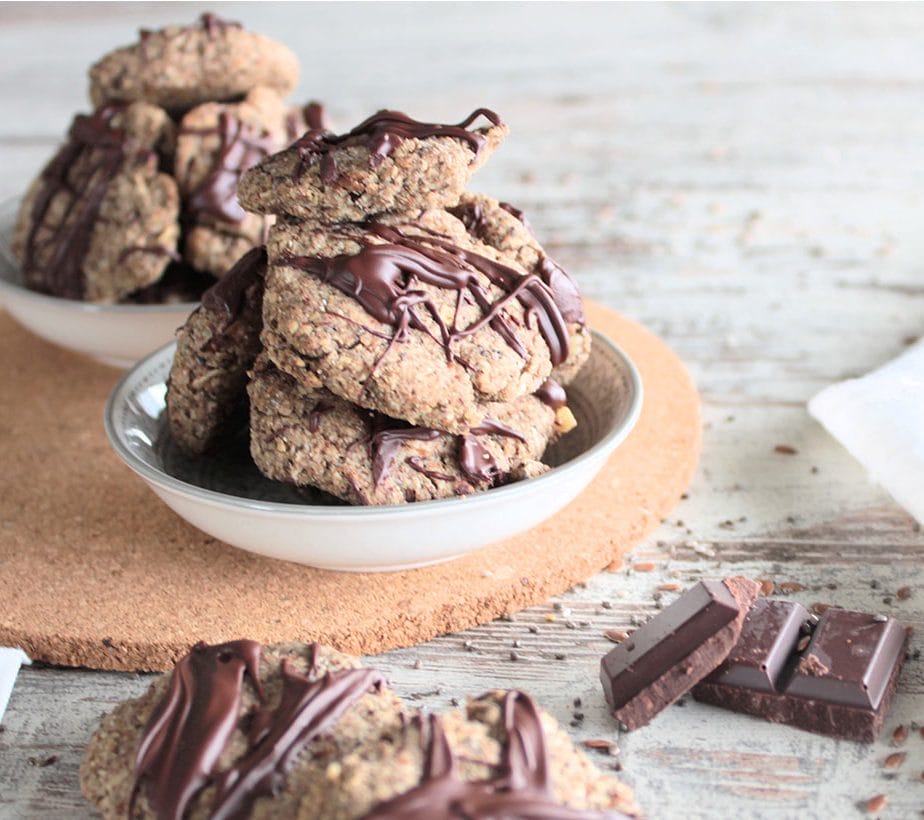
{"points": [[879, 418], [10, 661]]}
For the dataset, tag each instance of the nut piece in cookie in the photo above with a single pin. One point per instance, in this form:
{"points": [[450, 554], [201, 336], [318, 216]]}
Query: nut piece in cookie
{"points": [[388, 163], [401, 319], [311, 437], [101, 221], [216, 143], [506, 229], [237, 730], [182, 66], [207, 386]]}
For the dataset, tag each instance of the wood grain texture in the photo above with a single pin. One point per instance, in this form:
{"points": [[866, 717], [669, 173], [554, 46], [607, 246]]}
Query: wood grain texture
{"points": [[745, 180]]}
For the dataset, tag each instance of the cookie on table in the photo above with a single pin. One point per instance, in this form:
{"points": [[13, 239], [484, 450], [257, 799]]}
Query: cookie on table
{"points": [[180, 67], [237, 730], [216, 143], [101, 221], [506, 229], [389, 163], [501, 757], [418, 321], [207, 386], [295, 731], [311, 437]]}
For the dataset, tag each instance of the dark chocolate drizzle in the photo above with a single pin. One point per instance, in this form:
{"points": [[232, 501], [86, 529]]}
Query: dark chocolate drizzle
{"points": [[241, 147], [552, 394], [492, 427], [564, 290], [314, 417], [518, 214], [306, 709], [471, 215], [521, 790], [213, 25], [226, 296], [382, 133], [386, 437], [97, 151], [382, 278], [191, 726], [475, 460]]}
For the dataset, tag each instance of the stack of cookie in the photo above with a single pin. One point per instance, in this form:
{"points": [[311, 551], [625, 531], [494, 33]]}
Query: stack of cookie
{"points": [[140, 204], [413, 338], [296, 731]]}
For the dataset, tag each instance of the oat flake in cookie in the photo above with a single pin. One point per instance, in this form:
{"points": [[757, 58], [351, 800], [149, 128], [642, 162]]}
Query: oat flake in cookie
{"points": [[179, 67], [294, 731]]}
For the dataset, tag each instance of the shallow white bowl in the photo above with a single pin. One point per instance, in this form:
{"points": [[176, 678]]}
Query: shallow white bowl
{"points": [[225, 495], [117, 335]]}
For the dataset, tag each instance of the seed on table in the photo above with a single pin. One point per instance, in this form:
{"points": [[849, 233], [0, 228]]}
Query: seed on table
{"points": [[903, 594], [644, 566], [894, 760], [790, 586], [615, 635], [899, 736], [876, 803]]}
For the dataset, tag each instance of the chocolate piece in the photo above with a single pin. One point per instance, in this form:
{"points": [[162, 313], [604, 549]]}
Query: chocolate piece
{"points": [[676, 649], [552, 394], [841, 684], [521, 789], [226, 296]]}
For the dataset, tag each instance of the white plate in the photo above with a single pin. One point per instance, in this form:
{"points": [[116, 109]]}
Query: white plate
{"points": [[227, 497], [117, 335]]}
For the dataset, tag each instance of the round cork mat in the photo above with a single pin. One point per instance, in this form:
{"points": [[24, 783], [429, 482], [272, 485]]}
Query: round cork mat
{"points": [[95, 571]]}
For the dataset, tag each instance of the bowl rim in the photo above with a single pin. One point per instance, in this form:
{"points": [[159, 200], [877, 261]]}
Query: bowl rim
{"points": [[10, 268], [213, 498]]}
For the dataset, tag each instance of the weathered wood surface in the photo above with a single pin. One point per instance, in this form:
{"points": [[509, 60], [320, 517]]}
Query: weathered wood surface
{"points": [[747, 181]]}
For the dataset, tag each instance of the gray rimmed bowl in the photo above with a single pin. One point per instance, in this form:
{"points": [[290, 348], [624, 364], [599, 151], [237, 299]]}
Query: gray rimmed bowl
{"points": [[227, 497]]}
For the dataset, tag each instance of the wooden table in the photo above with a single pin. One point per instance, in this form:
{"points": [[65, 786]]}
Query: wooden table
{"points": [[745, 180]]}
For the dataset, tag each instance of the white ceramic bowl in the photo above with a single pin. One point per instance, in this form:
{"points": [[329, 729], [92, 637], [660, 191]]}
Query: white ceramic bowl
{"points": [[117, 335], [227, 497]]}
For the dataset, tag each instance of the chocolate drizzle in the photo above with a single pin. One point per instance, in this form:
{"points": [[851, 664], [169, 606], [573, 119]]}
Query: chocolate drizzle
{"points": [[226, 296], [240, 148], [521, 788], [475, 460], [518, 214], [552, 394], [383, 279], [192, 725], [213, 25], [386, 439], [382, 133], [314, 417], [564, 290], [306, 708], [83, 168]]}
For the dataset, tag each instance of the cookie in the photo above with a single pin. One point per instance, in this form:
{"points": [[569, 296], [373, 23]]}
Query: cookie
{"points": [[506, 229], [417, 321], [389, 163], [216, 143], [234, 724], [207, 386], [312, 437], [182, 66], [294, 731], [101, 220]]}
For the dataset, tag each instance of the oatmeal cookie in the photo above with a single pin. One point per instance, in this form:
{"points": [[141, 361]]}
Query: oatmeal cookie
{"points": [[207, 386], [216, 143], [182, 66], [417, 321], [389, 163], [101, 221], [312, 437], [294, 731], [506, 229]]}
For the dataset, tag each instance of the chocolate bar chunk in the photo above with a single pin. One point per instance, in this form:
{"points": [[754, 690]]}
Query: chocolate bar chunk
{"points": [[841, 684], [676, 649]]}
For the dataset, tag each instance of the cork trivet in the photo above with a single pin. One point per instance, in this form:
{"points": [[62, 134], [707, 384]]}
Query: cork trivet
{"points": [[95, 571]]}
